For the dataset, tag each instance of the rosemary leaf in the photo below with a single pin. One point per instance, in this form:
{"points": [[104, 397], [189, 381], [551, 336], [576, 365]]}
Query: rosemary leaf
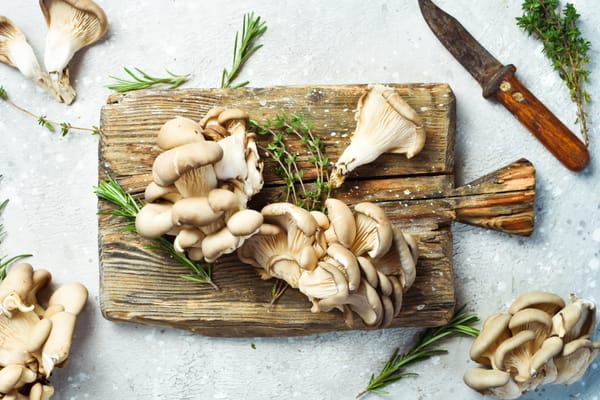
{"points": [[144, 81], [252, 29], [127, 207], [393, 370], [564, 46], [6, 261]]}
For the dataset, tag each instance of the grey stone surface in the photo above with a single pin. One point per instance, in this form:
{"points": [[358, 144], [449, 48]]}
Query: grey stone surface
{"points": [[51, 214]]}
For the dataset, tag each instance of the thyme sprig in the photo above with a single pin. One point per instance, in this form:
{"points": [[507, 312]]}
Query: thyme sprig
{"points": [[277, 290], [252, 29], [295, 124], [564, 46], [144, 81], [53, 126], [6, 261], [393, 370], [128, 208]]}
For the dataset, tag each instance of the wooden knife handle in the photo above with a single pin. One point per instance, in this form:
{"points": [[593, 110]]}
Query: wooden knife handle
{"points": [[540, 121]]}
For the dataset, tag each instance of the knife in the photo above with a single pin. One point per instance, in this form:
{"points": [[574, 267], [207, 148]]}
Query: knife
{"points": [[499, 81]]}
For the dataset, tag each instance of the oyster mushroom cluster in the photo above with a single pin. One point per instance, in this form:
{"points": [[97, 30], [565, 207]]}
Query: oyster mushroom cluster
{"points": [[385, 123], [72, 25], [34, 339], [539, 341], [202, 181], [350, 260]]}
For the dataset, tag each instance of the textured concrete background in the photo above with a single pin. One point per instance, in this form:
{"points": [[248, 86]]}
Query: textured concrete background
{"points": [[49, 181]]}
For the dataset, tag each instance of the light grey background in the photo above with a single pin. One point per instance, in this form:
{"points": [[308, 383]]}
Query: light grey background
{"points": [[52, 212]]}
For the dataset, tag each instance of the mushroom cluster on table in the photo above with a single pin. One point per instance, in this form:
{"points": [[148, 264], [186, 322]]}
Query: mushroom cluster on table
{"points": [[35, 336], [351, 260], [201, 184], [539, 341], [72, 25], [385, 123]]}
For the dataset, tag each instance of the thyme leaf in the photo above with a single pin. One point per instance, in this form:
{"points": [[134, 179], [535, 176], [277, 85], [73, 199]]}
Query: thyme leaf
{"points": [[128, 207], [52, 126], [252, 29], [564, 46], [393, 370], [144, 80], [297, 191]]}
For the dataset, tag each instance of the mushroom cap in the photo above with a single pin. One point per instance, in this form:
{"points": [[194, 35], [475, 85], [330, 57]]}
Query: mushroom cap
{"points": [[219, 243], [170, 165], [482, 379], [374, 232], [575, 359], [188, 237], [19, 280], [575, 320], [212, 116], [367, 303], [284, 214], [72, 296], [223, 200], [544, 301], [56, 349], [245, 222], [230, 115], [16, 51], [341, 222], [526, 317], [493, 331], [155, 192], [178, 131], [509, 346], [550, 348], [154, 220], [348, 262], [72, 25], [195, 211]]}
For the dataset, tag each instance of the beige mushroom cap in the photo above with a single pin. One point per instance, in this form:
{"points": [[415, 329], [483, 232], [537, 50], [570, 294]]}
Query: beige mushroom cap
{"points": [[170, 165], [342, 227], [492, 381], [72, 24], [493, 332], [348, 262], [72, 296], [374, 232], [245, 222], [548, 302], [154, 220], [178, 131]]}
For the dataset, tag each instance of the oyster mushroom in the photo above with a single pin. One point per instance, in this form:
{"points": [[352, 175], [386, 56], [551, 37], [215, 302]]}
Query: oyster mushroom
{"points": [[492, 382], [374, 232], [539, 341], [385, 124], [72, 25], [17, 52], [35, 340]]}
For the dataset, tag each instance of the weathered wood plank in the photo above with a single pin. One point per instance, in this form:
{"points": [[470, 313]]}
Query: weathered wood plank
{"points": [[139, 285]]}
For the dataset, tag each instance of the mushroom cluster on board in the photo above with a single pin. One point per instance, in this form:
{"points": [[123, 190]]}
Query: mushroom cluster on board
{"points": [[72, 25], [35, 335], [539, 341], [351, 260], [385, 123], [202, 182]]}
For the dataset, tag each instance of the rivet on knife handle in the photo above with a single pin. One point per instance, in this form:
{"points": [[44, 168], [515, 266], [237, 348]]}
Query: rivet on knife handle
{"points": [[540, 121], [499, 81]]}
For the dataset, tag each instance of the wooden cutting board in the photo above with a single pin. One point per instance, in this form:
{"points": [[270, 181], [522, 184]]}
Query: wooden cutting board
{"points": [[418, 195]]}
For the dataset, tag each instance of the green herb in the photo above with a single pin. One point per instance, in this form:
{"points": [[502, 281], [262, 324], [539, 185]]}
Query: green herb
{"points": [[52, 126], [6, 261], [252, 29], [393, 370], [128, 208], [253, 346], [287, 167], [277, 290], [144, 81], [564, 46]]}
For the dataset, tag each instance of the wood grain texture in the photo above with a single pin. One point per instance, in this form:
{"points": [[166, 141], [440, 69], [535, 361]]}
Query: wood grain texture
{"points": [[418, 195], [541, 122]]}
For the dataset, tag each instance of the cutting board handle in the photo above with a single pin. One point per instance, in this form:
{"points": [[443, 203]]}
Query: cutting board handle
{"points": [[501, 200]]}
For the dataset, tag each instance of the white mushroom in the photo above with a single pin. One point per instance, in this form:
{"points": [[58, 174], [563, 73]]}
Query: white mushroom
{"points": [[17, 52], [385, 124], [72, 25]]}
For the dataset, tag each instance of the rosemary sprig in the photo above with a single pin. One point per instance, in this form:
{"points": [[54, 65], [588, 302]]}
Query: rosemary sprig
{"points": [[252, 29], [128, 207], [144, 81], [564, 46], [393, 370], [287, 168], [53, 126], [6, 261]]}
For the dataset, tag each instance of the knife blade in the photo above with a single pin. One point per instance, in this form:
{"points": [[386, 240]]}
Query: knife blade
{"points": [[499, 81]]}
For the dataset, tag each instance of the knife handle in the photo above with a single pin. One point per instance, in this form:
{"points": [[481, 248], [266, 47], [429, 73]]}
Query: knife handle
{"points": [[540, 121]]}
